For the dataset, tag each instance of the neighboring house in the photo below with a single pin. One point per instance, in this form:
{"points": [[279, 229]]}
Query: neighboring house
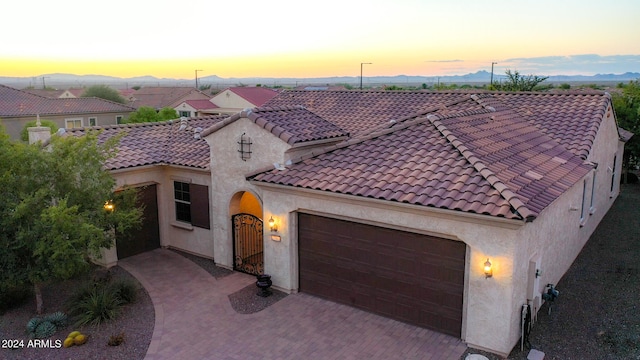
{"points": [[64, 94], [72, 93], [18, 107], [236, 99], [164, 96], [391, 202], [195, 108]]}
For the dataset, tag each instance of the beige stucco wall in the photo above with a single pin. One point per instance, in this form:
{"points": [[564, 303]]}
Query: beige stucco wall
{"points": [[15, 125], [230, 103], [556, 237], [229, 176], [172, 233], [486, 300]]}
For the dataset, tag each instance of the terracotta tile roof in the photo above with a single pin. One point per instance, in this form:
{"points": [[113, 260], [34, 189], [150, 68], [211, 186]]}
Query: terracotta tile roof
{"points": [[291, 124], [158, 143], [258, 96], [201, 104], [163, 96], [474, 154], [360, 111], [52, 94], [18, 103], [571, 118]]}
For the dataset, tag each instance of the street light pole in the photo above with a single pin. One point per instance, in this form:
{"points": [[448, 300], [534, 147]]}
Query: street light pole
{"points": [[492, 63], [361, 64], [197, 78]]}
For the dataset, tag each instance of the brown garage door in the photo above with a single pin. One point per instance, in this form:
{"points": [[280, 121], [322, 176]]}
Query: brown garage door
{"points": [[147, 237], [415, 278]]}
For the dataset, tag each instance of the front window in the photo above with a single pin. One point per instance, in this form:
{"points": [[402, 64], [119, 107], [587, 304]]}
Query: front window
{"points": [[183, 201], [72, 123], [185, 113], [93, 121], [118, 119]]}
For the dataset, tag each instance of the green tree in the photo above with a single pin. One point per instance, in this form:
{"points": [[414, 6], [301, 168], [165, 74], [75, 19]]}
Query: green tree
{"points": [[149, 114], [627, 107], [143, 114], [52, 217], [104, 92], [167, 113], [517, 82], [24, 134]]}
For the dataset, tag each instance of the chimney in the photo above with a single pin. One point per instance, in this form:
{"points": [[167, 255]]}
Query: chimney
{"points": [[39, 133]]}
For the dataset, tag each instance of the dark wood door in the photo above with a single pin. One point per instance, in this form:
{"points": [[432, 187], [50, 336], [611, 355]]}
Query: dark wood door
{"points": [[414, 278], [147, 237]]}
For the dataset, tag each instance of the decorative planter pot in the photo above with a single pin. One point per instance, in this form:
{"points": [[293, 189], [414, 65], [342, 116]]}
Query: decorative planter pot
{"points": [[264, 283]]}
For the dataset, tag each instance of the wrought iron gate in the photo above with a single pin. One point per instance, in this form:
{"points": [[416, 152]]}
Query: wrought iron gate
{"points": [[247, 244]]}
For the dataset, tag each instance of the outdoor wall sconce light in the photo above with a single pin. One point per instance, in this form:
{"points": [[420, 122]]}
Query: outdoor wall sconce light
{"points": [[108, 206], [272, 225], [488, 271], [538, 273]]}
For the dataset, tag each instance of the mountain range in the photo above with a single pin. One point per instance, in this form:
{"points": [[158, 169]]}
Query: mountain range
{"points": [[70, 80]]}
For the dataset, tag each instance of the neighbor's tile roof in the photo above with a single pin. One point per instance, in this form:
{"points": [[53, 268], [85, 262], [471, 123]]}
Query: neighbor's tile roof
{"points": [[157, 143], [202, 104], [474, 154], [258, 95], [161, 96], [18, 103], [46, 93], [293, 124]]}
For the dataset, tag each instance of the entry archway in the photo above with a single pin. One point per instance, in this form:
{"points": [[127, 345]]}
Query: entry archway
{"points": [[246, 224]]}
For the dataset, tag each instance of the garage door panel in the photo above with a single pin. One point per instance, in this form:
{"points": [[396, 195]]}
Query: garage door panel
{"points": [[411, 277]]}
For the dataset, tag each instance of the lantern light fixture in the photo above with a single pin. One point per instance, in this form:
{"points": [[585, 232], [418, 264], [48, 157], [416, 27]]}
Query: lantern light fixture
{"points": [[488, 271], [272, 225]]}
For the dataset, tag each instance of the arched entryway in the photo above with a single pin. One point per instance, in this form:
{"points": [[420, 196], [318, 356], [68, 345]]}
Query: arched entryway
{"points": [[246, 224]]}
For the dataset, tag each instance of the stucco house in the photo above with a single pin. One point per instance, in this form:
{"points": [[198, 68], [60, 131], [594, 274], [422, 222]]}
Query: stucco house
{"points": [[235, 99], [392, 202], [159, 97], [17, 107]]}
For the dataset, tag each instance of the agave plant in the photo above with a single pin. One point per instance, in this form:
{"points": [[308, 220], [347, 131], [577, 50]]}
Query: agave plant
{"points": [[58, 318]]}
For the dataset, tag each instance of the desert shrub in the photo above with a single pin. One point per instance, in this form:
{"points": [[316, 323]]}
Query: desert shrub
{"points": [[125, 290], [101, 305], [115, 340]]}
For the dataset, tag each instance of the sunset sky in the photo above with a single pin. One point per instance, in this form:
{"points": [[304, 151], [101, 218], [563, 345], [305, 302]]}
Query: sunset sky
{"points": [[281, 38]]}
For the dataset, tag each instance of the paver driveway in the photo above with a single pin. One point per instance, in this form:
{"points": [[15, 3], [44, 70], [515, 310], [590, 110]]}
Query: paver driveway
{"points": [[195, 320]]}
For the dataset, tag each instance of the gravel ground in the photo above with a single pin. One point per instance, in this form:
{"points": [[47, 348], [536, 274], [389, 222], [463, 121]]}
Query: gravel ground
{"points": [[135, 320], [597, 315]]}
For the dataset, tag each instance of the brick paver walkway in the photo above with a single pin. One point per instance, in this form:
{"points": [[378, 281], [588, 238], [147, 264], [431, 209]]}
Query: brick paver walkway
{"points": [[195, 320]]}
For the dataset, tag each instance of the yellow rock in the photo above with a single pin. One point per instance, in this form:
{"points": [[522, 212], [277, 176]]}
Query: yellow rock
{"points": [[68, 342], [74, 334], [80, 339]]}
